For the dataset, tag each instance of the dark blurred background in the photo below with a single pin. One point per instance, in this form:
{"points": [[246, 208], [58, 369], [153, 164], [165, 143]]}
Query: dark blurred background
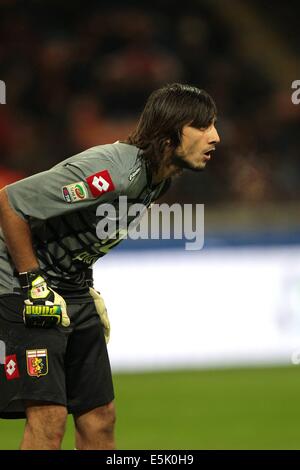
{"points": [[78, 74]]}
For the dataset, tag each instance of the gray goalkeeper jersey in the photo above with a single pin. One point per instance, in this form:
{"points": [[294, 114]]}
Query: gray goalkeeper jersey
{"points": [[60, 205]]}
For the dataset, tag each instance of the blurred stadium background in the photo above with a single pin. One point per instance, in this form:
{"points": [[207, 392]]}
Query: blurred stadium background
{"points": [[205, 345]]}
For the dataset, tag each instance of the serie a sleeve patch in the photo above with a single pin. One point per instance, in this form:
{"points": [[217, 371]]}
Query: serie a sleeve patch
{"points": [[75, 192], [100, 183]]}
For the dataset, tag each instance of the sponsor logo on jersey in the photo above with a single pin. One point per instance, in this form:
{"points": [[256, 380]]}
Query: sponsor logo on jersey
{"points": [[11, 367], [134, 173], [75, 192], [100, 183], [101, 248], [37, 362]]}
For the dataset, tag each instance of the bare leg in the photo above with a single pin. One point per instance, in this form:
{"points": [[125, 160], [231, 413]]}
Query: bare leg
{"points": [[95, 429], [45, 426]]}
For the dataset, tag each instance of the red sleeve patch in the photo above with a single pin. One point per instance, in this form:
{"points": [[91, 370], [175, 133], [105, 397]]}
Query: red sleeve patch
{"points": [[11, 367], [100, 183]]}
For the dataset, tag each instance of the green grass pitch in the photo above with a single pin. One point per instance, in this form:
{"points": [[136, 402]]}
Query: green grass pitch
{"points": [[250, 408]]}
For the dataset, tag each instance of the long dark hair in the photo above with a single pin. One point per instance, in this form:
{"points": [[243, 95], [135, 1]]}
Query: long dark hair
{"points": [[167, 110]]}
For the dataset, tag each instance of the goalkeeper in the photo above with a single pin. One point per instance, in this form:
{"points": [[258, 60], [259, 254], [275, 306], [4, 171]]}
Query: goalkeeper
{"points": [[52, 319]]}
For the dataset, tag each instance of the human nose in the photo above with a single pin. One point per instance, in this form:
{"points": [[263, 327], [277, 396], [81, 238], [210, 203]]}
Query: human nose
{"points": [[214, 137]]}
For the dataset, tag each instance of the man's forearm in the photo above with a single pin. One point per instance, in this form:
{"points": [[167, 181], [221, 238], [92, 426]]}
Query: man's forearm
{"points": [[17, 236]]}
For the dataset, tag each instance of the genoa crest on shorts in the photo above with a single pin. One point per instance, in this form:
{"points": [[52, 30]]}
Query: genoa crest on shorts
{"points": [[37, 362]]}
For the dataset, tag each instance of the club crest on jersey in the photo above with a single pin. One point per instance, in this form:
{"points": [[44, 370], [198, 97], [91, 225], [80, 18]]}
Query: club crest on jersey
{"points": [[37, 362], [75, 192], [100, 183], [11, 367]]}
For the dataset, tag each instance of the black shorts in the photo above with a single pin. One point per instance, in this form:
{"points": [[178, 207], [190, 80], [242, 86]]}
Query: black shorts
{"points": [[65, 366]]}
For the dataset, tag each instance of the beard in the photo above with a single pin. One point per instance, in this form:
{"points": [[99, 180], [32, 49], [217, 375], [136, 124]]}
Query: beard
{"points": [[177, 160]]}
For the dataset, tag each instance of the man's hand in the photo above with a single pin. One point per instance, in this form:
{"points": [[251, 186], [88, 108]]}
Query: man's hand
{"points": [[102, 312], [44, 308]]}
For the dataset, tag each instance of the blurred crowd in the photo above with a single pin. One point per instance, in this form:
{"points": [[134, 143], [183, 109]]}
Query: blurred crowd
{"points": [[77, 75]]}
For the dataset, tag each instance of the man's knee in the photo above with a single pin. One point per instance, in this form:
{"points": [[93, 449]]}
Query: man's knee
{"points": [[107, 415], [46, 422], [97, 421]]}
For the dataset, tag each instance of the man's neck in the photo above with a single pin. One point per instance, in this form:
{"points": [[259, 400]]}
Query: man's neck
{"points": [[164, 172], [167, 169]]}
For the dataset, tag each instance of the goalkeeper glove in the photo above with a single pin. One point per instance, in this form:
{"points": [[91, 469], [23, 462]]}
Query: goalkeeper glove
{"points": [[102, 312], [44, 308]]}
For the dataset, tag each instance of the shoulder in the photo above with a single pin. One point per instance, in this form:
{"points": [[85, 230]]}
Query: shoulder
{"points": [[119, 155], [114, 161], [117, 158]]}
